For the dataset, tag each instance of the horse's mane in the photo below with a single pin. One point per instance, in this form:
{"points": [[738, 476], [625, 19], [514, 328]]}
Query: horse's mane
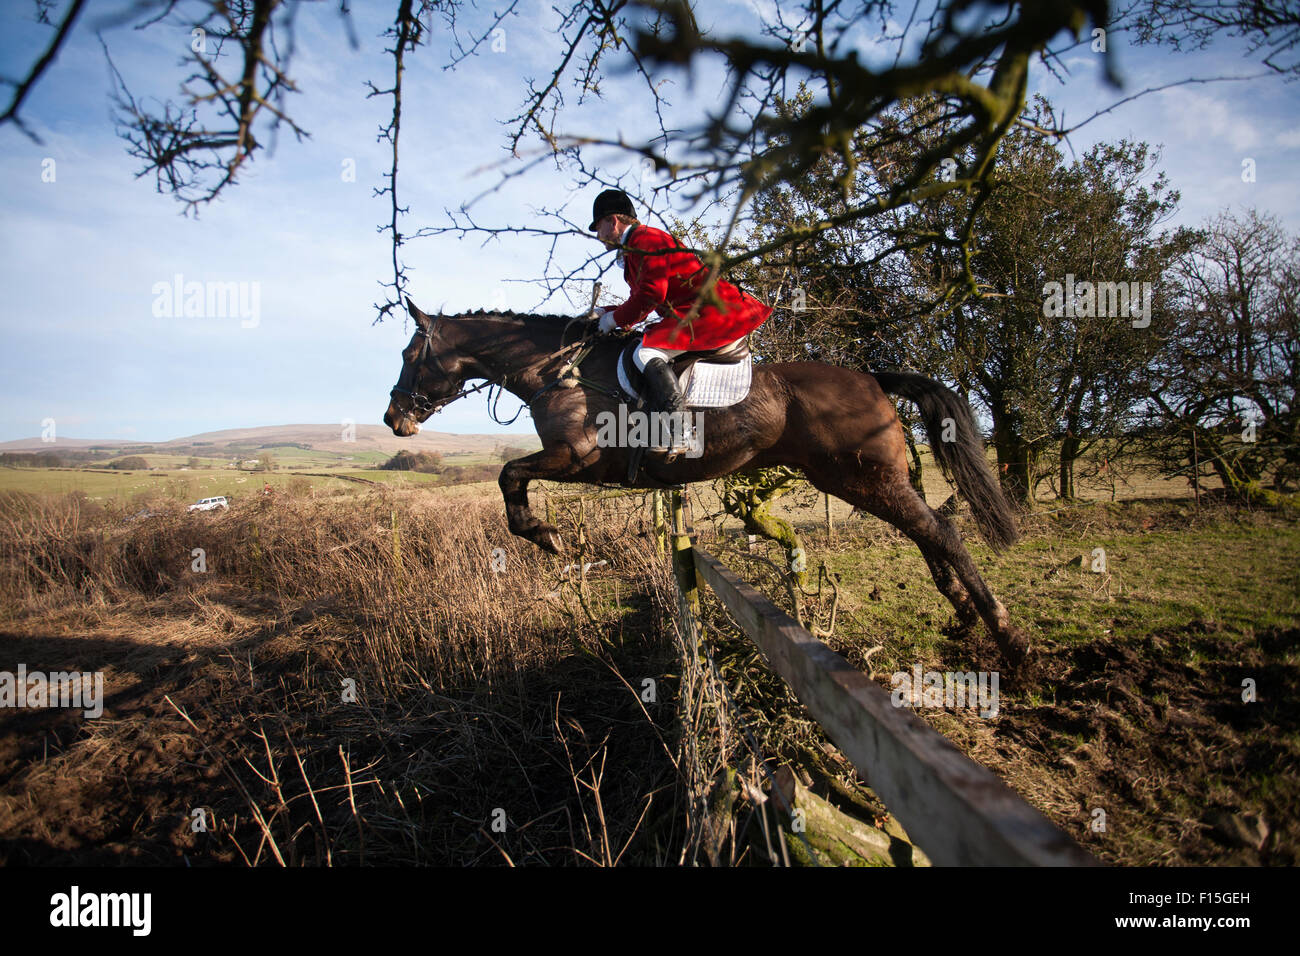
{"points": [[524, 318]]}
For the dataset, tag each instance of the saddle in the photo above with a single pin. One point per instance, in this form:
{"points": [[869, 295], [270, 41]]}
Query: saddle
{"points": [[715, 378]]}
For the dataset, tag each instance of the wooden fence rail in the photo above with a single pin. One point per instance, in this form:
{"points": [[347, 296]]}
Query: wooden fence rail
{"points": [[958, 812]]}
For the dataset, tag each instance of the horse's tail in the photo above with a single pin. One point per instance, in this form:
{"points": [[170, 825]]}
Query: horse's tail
{"points": [[958, 450]]}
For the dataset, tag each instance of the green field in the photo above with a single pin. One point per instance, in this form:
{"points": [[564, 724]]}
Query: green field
{"points": [[170, 478], [189, 485]]}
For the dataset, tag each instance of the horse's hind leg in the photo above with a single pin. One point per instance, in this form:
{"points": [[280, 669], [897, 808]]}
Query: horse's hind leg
{"points": [[894, 500], [944, 579]]}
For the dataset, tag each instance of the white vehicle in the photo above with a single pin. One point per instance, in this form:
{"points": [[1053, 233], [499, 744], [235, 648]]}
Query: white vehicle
{"points": [[210, 504]]}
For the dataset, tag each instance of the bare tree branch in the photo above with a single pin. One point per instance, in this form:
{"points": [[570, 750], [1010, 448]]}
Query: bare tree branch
{"points": [[23, 87], [1269, 25], [194, 158]]}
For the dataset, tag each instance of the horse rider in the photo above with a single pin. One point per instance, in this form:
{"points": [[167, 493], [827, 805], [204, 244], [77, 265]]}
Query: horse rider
{"points": [[667, 282]]}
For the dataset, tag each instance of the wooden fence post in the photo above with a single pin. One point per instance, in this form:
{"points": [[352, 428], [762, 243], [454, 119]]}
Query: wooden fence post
{"points": [[660, 525], [684, 564]]}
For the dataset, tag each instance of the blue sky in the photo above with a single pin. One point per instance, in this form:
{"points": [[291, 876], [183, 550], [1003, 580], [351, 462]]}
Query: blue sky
{"points": [[82, 255]]}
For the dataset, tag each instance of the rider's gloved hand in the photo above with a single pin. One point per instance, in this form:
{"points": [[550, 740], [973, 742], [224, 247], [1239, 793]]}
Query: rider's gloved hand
{"points": [[607, 323]]}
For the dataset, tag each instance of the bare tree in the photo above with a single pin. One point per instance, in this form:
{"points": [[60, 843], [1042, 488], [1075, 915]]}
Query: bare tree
{"points": [[1223, 392], [1268, 26]]}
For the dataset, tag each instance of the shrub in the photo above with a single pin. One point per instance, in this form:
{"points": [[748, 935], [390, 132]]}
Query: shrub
{"points": [[425, 462]]}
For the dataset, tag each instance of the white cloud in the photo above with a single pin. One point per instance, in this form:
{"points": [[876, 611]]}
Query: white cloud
{"points": [[1201, 117], [1290, 139]]}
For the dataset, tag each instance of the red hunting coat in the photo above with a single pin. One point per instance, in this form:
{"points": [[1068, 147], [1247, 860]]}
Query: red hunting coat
{"points": [[669, 283]]}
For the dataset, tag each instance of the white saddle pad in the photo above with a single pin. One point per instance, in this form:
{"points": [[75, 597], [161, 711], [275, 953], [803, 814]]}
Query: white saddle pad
{"points": [[706, 385], [717, 386]]}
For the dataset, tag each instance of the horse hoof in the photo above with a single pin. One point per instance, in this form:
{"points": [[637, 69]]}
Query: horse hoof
{"points": [[1014, 645], [548, 539], [962, 622]]}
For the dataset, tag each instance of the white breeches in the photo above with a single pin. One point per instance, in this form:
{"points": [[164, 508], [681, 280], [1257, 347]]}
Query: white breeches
{"points": [[645, 353]]}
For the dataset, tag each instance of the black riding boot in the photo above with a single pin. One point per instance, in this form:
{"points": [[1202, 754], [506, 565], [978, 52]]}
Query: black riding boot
{"points": [[661, 386]]}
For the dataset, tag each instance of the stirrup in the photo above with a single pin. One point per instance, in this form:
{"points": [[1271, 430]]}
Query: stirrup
{"points": [[677, 436]]}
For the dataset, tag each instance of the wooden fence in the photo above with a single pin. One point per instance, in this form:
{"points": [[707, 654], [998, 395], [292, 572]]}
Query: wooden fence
{"points": [[955, 810]]}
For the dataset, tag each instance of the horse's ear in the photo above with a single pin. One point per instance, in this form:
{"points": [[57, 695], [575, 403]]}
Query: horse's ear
{"points": [[422, 320]]}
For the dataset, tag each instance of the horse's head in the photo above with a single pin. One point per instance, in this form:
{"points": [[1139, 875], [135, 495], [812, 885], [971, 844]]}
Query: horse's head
{"points": [[432, 372]]}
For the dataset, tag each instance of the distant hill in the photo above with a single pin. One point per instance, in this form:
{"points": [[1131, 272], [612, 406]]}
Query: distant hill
{"points": [[320, 437]]}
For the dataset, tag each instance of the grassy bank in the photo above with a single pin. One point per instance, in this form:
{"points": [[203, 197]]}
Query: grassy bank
{"points": [[1135, 704]]}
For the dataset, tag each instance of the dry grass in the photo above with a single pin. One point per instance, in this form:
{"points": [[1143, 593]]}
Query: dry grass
{"points": [[345, 683]]}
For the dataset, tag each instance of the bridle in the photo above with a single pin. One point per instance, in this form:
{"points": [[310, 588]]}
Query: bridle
{"points": [[422, 403]]}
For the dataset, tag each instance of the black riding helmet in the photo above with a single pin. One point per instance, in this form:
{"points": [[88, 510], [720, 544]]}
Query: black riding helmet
{"points": [[611, 201]]}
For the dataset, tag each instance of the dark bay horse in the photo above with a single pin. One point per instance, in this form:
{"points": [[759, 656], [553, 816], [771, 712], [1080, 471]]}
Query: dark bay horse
{"points": [[834, 424]]}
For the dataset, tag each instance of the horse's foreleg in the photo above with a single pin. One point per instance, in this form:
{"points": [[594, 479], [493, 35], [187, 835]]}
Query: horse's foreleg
{"points": [[555, 461]]}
